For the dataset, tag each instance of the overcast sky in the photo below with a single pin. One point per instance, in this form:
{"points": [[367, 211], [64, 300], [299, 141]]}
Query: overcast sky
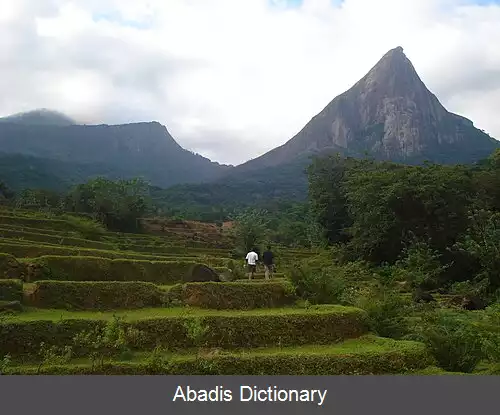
{"points": [[232, 79]]}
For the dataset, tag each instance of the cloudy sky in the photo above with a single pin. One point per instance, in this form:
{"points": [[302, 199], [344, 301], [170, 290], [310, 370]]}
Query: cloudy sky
{"points": [[231, 79]]}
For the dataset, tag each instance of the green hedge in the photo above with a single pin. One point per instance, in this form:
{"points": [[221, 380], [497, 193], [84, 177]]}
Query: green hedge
{"points": [[233, 295], [320, 325], [11, 290], [95, 295], [54, 239], [89, 295], [413, 357], [82, 268]]}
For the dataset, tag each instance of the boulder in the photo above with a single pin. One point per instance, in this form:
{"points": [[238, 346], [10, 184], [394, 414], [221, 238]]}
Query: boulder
{"points": [[201, 273], [423, 297]]}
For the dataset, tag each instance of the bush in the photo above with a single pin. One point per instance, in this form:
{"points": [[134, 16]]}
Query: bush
{"points": [[87, 228], [112, 340], [237, 271], [320, 280], [419, 266], [456, 344], [104, 269], [79, 295], [234, 295], [318, 286], [11, 290], [317, 325], [387, 312]]}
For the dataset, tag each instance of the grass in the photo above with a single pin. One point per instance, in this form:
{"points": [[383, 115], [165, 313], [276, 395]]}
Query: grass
{"points": [[365, 348], [32, 314], [16, 247]]}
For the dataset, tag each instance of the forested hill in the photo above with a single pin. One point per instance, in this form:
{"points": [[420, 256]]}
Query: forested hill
{"points": [[49, 146], [267, 188]]}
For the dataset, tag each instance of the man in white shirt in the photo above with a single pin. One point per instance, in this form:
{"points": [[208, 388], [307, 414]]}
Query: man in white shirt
{"points": [[252, 259]]}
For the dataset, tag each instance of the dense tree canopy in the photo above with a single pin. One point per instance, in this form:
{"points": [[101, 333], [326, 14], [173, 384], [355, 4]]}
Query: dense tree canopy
{"points": [[376, 210], [117, 204]]}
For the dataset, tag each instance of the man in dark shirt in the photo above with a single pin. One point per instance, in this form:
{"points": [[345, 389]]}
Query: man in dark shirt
{"points": [[268, 260]]}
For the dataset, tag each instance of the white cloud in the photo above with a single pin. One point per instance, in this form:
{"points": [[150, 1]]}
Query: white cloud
{"points": [[233, 79]]}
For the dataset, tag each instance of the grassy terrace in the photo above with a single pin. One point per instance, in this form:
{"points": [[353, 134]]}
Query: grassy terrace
{"points": [[365, 355], [33, 314], [79, 287]]}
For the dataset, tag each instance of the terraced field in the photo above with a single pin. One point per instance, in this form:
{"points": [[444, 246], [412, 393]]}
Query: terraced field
{"points": [[157, 304]]}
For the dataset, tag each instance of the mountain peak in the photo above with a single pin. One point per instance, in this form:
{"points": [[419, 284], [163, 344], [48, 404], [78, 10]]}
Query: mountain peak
{"points": [[394, 72], [398, 50], [390, 114]]}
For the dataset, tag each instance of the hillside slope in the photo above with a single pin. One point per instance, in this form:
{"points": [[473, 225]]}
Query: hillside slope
{"points": [[142, 149]]}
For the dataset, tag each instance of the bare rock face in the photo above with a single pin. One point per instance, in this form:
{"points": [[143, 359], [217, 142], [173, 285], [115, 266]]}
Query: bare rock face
{"points": [[391, 115]]}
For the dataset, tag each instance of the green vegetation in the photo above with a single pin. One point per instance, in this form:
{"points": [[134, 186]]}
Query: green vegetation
{"points": [[227, 330], [11, 290], [81, 268], [366, 356], [111, 295], [385, 269]]}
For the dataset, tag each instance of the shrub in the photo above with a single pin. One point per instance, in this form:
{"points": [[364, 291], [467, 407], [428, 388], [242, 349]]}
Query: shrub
{"points": [[456, 344], [419, 266], [157, 362], [317, 325], [54, 355], [237, 271], [104, 269], [319, 286], [78, 295], [5, 362], [234, 295], [195, 330], [470, 288], [108, 341], [87, 228], [387, 312], [11, 290]]}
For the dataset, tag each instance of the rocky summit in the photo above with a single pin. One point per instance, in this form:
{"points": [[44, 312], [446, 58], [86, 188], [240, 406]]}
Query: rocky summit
{"points": [[389, 114]]}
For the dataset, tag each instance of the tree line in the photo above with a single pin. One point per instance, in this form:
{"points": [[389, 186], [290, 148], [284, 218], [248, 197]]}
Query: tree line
{"points": [[443, 220]]}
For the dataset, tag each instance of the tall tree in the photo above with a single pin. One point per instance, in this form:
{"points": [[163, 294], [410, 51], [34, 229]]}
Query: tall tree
{"points": [[118, 204]]}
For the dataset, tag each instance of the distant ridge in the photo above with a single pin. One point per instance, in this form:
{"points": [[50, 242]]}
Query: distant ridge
{"points": [[50, 143], [40, 116]]}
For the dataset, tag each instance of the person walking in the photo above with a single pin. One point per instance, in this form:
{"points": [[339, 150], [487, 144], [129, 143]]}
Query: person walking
{"points": [[252, 259], [268, 260]]}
